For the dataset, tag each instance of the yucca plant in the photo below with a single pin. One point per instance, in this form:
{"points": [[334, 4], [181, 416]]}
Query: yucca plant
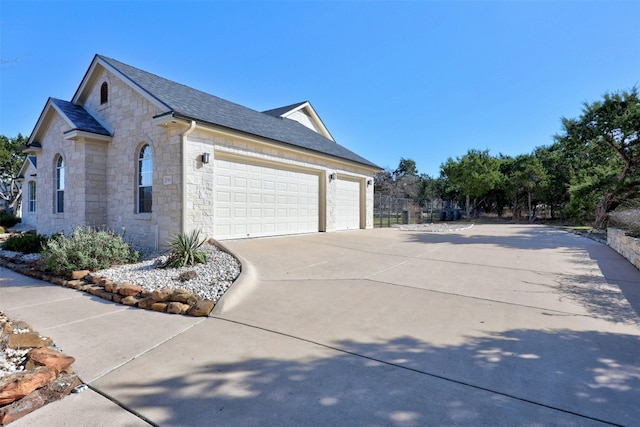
{"points": [[185, 250]]}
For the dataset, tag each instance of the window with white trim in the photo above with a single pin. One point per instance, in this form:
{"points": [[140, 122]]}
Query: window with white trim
{"points": [[32, 196], [59, 196], [145, 179]]}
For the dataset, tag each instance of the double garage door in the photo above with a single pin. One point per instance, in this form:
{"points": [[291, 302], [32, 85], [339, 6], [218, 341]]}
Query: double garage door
{"points": [[254, 200]]}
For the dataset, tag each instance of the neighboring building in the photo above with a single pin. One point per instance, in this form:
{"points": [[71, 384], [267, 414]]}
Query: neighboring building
{"points": [[136, 151], [28, 178]]}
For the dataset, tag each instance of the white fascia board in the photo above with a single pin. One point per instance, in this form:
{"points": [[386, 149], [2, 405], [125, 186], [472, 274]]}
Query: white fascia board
{"points": [[91, 71], [41, 120], [75, 135], [314, 116]]}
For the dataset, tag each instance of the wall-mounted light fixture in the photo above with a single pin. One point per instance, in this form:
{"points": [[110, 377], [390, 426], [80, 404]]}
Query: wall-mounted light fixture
{"points": [[333, 176], [205, 158], [369, 182]]}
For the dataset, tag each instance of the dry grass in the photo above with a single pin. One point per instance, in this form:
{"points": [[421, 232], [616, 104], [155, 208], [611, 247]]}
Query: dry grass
{"points": [[627, 217]]}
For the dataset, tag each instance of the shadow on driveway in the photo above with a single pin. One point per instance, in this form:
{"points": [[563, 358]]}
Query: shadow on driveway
{"points": [[526, 376]]}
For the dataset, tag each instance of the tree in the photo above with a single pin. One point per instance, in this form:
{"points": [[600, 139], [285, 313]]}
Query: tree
{"points": [[11, 160], [609, 130], [476, 174]]}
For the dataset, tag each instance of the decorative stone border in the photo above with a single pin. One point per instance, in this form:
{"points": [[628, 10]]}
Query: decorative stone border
{"points": [[167, 300], [47, 375]]}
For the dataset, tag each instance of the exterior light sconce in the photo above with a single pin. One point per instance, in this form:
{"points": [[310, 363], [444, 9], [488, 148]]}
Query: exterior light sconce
{"points": [[205, 158], [369, 182], [333, 176]]}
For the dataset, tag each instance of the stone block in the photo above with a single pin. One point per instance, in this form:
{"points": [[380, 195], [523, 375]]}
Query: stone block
{"points": [[27, 340], [146, 303], [53, 359], [126, 289], [201, 308], [19, 384], [177, 308], [159, 306], [80, 274], [130, 300], [162, 295]]}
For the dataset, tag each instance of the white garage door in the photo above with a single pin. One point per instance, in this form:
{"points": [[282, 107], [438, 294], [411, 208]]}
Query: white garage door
{"points": [[254, 201], [347, 204]]}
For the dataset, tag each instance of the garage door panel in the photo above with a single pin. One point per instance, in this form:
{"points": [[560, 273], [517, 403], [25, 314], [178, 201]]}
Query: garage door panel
{"points": [[347, 204], [264, 201]]}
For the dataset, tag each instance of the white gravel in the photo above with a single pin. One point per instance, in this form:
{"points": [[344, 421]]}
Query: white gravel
{"points": [[212, 279]]}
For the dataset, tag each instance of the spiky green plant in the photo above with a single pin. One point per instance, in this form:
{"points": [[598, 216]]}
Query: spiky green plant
{"points": [[185, 250]]}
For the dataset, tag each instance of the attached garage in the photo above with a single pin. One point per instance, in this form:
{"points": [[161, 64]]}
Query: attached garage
{"points": [[257, 200], [347, 204]]}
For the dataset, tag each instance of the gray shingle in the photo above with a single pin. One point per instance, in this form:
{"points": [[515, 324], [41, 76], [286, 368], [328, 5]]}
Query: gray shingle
{"points": [[277, 112], [189, 103], [81, 119]]}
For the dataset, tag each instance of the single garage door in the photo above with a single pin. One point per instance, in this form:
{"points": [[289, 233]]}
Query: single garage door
{"points": [[347, 204], [255, 200]]}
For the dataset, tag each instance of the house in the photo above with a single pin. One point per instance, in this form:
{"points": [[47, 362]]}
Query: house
{"points": [[27, 177], [134, 151]]}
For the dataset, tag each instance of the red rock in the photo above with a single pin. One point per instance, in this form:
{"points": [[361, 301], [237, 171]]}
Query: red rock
{"points": [[50, 358], [56, 390], [19, 384]]}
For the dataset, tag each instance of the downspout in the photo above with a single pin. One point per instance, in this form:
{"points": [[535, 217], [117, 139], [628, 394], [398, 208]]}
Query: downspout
{"points": [[184, 174]]}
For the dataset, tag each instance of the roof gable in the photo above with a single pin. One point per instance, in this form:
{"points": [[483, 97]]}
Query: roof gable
{"points": [[191, 104], [28, 162], [78, 119], [303, 113]]}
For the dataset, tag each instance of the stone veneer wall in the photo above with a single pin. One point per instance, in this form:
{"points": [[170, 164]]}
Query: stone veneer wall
{"points": [[109, 170], [200, 185], [628, 247]]}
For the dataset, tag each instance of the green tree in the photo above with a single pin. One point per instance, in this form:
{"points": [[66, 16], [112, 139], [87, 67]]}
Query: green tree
{"points": [[608, 130], [11, 160], [475, 174]]}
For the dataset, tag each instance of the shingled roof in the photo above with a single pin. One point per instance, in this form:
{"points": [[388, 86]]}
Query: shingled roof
{"points": [[79, 117], [188, 103]]}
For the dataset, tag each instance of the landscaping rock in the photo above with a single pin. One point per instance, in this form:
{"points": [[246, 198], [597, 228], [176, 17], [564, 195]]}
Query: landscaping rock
{"points": [[27, 340], [126, 289], [130, 301], [162, 295], [50, 358], [80, 274], [201, 308], [177, 308], [19, 384]]}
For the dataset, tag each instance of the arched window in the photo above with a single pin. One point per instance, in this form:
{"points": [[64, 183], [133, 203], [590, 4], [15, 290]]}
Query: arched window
{"points": [[32, 196], [104, 93], [59, 208], [145, 179]]}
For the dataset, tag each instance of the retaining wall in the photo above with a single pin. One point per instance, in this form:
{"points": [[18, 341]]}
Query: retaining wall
{"points": [[628, 247]]}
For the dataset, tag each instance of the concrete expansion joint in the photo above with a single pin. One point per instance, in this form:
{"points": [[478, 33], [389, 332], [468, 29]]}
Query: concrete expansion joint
{"points": [[421, 372]]}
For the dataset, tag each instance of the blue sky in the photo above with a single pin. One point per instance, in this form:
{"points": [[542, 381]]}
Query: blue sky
{"points": [[425, 80]]}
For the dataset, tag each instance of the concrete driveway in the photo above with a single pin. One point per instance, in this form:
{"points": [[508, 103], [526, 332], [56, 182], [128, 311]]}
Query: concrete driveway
{"points": [[494, 325]]}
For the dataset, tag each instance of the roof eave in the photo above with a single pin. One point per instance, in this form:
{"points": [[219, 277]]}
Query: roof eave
{"points": [[184, 117]]}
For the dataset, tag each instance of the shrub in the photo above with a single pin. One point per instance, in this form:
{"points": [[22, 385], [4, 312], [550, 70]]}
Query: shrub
{"points": [[185, 250], [27, 243], [8, 220], [86, 249]]}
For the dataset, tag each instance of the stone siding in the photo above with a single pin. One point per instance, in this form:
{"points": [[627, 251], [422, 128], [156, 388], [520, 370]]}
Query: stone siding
{"points": [[101, 176], [628, 247]]}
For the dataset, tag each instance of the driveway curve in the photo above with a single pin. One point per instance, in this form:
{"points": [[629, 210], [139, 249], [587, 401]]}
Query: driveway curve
{"points": [[494, 325]]}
